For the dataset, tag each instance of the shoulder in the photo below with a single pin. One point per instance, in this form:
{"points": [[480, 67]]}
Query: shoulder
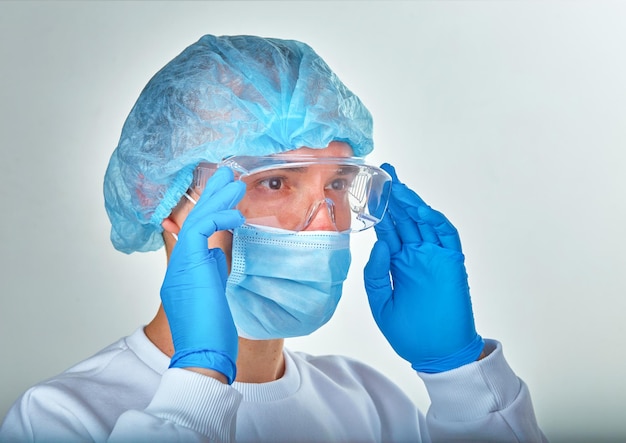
{"points": [[116, 362], [88, 396]]}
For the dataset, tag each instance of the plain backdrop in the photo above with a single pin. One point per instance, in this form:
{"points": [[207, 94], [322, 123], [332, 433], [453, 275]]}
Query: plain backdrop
{"points": [[510, 117]]}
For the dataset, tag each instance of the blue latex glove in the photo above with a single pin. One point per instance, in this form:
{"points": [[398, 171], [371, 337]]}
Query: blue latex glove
{"points": [[424, 310], [193, 292]]}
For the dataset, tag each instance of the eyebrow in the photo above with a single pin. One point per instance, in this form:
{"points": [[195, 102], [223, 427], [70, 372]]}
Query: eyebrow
{"points": [[348, 169], [340, 170]]}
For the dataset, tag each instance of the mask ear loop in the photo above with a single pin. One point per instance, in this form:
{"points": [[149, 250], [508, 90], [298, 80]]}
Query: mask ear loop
{"points": [[193, 201], [190, 198]]}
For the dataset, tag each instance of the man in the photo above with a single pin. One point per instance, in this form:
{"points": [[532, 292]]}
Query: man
{"points": [[244, 156]]}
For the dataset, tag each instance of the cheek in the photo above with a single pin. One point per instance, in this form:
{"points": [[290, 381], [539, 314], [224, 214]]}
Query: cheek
{"points": [[277, 214], [245, 206]]}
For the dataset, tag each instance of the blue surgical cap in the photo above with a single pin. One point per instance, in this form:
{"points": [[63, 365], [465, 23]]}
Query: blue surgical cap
{"points": [[222, 96]]}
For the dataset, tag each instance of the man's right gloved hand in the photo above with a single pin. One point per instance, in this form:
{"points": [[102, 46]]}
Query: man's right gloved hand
{"points": [[193, 292], [417, 285]]}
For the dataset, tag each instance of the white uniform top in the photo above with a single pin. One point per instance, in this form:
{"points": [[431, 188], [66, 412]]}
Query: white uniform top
{"points": [[127, 393]]}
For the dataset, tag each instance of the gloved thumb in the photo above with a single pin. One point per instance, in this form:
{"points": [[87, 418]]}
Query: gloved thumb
{"points": [[376, 276]]}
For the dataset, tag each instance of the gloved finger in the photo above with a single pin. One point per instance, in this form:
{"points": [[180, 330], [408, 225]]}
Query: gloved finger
{"points": [[386, 232], [403, 204], [224, 198], [194, 236], [405, 225], [377, 280], [403, 192], [220, 178], [405, 196], [214, 221], [429, 235], [435, 230], [446, 232], [204, 219], [220, 261], [386, 228]]}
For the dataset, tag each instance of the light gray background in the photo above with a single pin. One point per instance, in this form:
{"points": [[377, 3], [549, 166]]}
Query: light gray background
{"points": [[508, 116]]}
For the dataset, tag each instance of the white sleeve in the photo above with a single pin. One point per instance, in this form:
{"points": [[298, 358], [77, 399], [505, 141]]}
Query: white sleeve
{"points": [[481, 401], [187, 407]]}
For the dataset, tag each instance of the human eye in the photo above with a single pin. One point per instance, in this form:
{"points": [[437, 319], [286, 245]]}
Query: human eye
{"points": [[273, 183], [343, 179], [338, 184]]}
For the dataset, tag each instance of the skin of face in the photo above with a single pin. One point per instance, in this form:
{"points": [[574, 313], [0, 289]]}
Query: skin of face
{"points": [[313, 198]]}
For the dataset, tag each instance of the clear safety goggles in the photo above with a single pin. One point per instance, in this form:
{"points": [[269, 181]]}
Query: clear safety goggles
{"points": [[296, 192]]}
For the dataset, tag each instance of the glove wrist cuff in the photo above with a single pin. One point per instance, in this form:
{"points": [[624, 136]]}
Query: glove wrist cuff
{"points": [[468, 354], [205, 359]]}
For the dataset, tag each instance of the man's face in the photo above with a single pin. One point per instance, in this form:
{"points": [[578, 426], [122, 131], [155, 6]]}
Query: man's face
{"points": [[311, 198]]}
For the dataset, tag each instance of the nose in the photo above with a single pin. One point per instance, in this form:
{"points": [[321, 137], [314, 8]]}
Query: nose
{"points": [[321, 217]]}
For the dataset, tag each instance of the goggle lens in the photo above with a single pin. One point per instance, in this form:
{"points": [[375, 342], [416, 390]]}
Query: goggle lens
{"points": [[298, 192]]}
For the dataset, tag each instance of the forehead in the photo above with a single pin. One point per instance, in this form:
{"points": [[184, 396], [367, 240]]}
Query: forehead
{"points": [[334, 149]]}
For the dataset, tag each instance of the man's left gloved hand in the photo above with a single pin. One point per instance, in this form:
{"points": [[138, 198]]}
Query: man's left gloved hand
{"points": [[193, 291], [424, 310]]}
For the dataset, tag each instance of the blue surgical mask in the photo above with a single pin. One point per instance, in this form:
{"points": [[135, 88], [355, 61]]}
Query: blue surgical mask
{"points": [[283, 283]]}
